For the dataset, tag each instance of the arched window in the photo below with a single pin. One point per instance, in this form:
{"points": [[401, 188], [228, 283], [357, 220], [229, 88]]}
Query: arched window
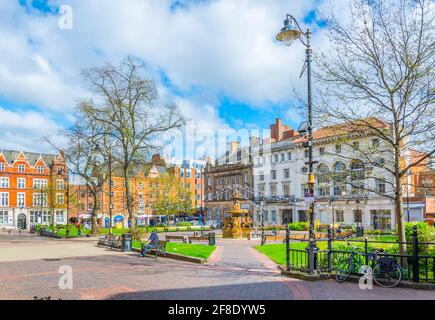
{"points": [[322, 173], [339, 178], [323, 180], [339, 167], [357, 170], [357, 176]]}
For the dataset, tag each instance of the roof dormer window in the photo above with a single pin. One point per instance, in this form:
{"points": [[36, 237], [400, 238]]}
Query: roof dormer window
{"points": [[21, 168]]}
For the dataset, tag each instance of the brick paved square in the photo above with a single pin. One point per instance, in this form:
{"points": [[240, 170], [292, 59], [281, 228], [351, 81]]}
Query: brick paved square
{"points": [[236, 271]]}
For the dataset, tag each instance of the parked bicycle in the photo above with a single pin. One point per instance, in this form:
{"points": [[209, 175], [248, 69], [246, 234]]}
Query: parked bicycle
{"points": [[386, 271]]}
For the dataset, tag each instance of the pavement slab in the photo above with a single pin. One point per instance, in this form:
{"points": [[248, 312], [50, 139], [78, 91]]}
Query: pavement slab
{"points": [[236, 270]]}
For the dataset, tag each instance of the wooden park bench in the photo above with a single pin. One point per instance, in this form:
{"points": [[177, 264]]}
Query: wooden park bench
{"points": [[274, 238], [344, 234], [104, 241], [198, 239], [48, 233], [347, 233], [115, 242], [299, 236], [110, 240], [321, 235], [160, 248], [172, 238]]}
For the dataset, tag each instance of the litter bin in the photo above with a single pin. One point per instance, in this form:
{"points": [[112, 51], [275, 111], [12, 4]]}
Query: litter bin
{"points": [[126, 242], [211, 239], [360, 231]]}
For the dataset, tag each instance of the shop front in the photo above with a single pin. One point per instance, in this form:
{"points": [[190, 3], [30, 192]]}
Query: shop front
{"points": [[86, 220], [118, 221]]}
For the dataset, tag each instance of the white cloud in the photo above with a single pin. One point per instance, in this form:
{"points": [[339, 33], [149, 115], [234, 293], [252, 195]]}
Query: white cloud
{"points": [[24, 130], [224, 46]]}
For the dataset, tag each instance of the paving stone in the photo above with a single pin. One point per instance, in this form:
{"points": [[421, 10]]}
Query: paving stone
{"points": [[236, 271]]}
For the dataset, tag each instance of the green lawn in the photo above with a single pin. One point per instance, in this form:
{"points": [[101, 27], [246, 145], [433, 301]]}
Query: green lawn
{"points": [[276, 252], [115, 231], [385, 238], [158, 229], [185, 249]]}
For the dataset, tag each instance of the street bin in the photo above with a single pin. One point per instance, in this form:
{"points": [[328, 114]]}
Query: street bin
{"points": [[126, 242], [360, 231], [211, 239]]}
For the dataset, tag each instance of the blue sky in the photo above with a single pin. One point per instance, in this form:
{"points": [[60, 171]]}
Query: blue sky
{"points": [[217, 59]]}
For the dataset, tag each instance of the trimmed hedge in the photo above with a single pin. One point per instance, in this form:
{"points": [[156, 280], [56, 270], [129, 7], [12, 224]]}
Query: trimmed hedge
{"points": [[299, 226]]}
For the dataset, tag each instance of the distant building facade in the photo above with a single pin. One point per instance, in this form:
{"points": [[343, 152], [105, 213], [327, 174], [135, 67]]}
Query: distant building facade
{"points": [[32, 189], [229, 174], [348, 189], [149, 184]]}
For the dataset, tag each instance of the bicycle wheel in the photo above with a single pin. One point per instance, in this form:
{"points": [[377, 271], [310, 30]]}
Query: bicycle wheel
{"points": [[387, 277], [344, 267]]}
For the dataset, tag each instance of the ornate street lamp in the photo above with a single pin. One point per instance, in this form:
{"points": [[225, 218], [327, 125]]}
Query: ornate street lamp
{"points": [[66, 179], [288, 34], [98, 150], [332, 203]]}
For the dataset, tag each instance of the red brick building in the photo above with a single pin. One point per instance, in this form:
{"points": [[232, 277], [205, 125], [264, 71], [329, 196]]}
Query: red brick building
{"points": [[147, 185], [32, 189]]}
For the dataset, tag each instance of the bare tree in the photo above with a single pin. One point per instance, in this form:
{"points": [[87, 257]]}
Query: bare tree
{"points": [[126, 106], [380, 71], [82, 158]]}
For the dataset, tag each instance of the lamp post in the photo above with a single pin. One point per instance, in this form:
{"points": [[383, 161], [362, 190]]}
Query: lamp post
{"points": [[41, 197], [67, 204], [201, 181], [289, 33], [331, 202], [262, 222], [98, 149], [357, 202], [407, 194]]}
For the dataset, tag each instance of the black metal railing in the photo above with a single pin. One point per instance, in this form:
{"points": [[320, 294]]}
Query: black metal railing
{"points": [[416, 265]]}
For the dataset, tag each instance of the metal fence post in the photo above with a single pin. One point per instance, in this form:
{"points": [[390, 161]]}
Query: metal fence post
{"points": [[415, 264], [366, 250], [329, 249], [287, 248], [310, 248]]}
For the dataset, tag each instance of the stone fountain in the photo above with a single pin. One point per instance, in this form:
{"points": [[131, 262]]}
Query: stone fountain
{"points": [[238, 225]]}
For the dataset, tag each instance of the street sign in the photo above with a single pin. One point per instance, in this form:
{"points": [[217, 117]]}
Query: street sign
{"points": [[309, 195], [309, 199]]}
